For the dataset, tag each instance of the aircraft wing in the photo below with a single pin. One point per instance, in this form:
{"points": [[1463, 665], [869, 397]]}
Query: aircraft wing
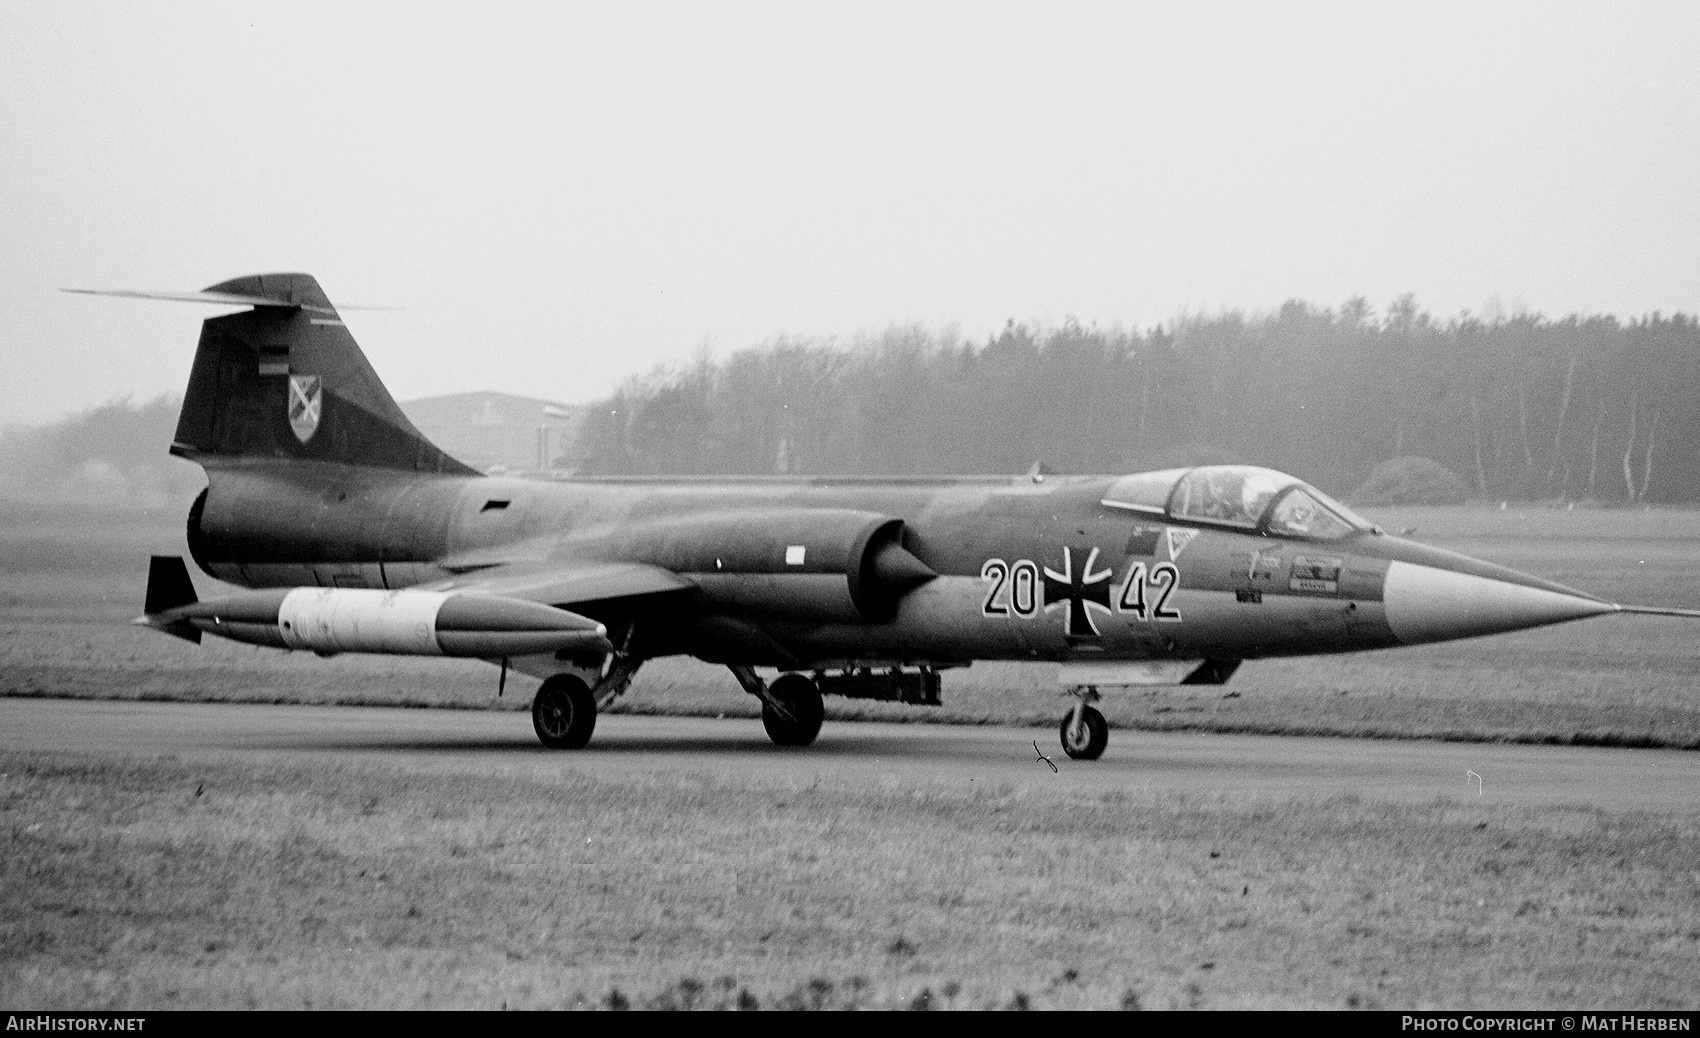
{"points": [[567, 584]]}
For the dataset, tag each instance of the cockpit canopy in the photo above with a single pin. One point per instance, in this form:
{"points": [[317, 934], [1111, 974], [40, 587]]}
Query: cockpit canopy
{"points": [[1241, 496]]}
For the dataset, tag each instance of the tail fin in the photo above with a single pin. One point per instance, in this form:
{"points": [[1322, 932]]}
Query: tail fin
{"points": [[169, 587], [285, 380]]}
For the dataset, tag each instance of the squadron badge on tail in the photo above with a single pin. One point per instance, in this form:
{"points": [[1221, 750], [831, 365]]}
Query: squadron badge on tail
{"points": [[305, 403]]}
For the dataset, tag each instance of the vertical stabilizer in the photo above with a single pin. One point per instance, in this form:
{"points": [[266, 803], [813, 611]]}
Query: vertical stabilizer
{"points": [[285, 380]]}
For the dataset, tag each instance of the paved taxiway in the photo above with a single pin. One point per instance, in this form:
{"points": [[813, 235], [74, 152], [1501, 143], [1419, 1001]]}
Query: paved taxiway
{"points": [[1660, 781]]}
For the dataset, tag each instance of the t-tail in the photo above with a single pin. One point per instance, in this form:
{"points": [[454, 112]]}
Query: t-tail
{"points": [[286, 381]]}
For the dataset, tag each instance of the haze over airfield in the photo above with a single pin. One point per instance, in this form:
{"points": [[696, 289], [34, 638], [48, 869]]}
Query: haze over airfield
{"points": [[561, 198]]}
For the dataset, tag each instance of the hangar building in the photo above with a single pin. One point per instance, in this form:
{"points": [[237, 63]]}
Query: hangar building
{"points": [[499, 432]]}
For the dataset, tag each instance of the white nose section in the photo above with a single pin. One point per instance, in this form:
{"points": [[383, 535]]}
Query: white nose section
{"points": [[1425, 604]]}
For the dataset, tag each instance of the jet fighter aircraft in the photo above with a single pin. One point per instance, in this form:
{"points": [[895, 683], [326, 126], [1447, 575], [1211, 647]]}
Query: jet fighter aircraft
{"points": [[356, 534]]}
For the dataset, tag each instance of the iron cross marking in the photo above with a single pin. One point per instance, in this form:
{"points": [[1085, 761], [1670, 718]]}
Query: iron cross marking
{"points": [[1078, 593]]}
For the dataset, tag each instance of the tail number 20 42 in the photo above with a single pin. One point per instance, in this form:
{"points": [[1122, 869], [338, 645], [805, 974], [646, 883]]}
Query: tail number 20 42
{"points": [[1014, 589]]}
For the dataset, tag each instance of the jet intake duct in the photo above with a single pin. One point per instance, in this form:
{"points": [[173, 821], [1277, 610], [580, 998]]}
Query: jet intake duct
{"points": [[884, 570], [817, 564]]}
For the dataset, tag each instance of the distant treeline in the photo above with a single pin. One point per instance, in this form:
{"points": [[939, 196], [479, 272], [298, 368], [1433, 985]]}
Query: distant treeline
{"points": [[1519, 408], [114, 454], [1585, 408]]}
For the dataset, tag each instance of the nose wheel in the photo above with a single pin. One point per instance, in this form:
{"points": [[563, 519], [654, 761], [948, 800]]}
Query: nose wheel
{"points": [[1084, 732]]}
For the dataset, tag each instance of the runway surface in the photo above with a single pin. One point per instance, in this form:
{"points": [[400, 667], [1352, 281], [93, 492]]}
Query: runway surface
{"points": [[1658, 781]]}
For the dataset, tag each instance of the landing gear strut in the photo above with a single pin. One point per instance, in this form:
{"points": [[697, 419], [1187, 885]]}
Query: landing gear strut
{"points": [[564, 713], [791, 708], [1085, 733]]}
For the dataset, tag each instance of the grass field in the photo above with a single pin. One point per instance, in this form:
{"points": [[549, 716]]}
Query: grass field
{"points": [[163, 884]]}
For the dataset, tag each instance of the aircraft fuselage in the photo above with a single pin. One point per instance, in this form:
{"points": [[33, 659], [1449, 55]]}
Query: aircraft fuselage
{"points": [[1025, 570]]}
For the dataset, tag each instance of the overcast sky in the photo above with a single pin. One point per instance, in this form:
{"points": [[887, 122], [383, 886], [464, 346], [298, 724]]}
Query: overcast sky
{"points": [[563, 196]]}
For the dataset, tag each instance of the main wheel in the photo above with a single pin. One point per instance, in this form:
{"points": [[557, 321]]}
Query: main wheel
{"points": [[1086, 740], [799, 723], [564, 713]]}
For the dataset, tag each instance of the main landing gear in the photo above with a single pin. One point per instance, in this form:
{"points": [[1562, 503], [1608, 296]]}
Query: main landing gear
{"points": [[564, 712], [792, 712], [1085, 733], [791, 708]]}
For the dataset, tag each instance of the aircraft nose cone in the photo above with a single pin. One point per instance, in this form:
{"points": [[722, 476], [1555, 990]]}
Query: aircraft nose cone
{"points": [[1429, 604]]}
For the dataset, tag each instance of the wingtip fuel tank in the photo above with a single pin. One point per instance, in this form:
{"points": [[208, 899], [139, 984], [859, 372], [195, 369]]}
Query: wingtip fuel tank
{"points": [[404, 622]]}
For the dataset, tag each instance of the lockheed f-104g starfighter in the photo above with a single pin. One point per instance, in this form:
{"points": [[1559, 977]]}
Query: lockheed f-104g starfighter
{"points": [[355, 534]]}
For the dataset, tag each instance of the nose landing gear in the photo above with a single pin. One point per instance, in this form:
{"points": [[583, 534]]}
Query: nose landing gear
{"points": [[1084, 731]]}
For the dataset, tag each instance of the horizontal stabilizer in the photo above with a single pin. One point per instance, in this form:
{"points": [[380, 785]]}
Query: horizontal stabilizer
{"points": [[219, 299]]}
